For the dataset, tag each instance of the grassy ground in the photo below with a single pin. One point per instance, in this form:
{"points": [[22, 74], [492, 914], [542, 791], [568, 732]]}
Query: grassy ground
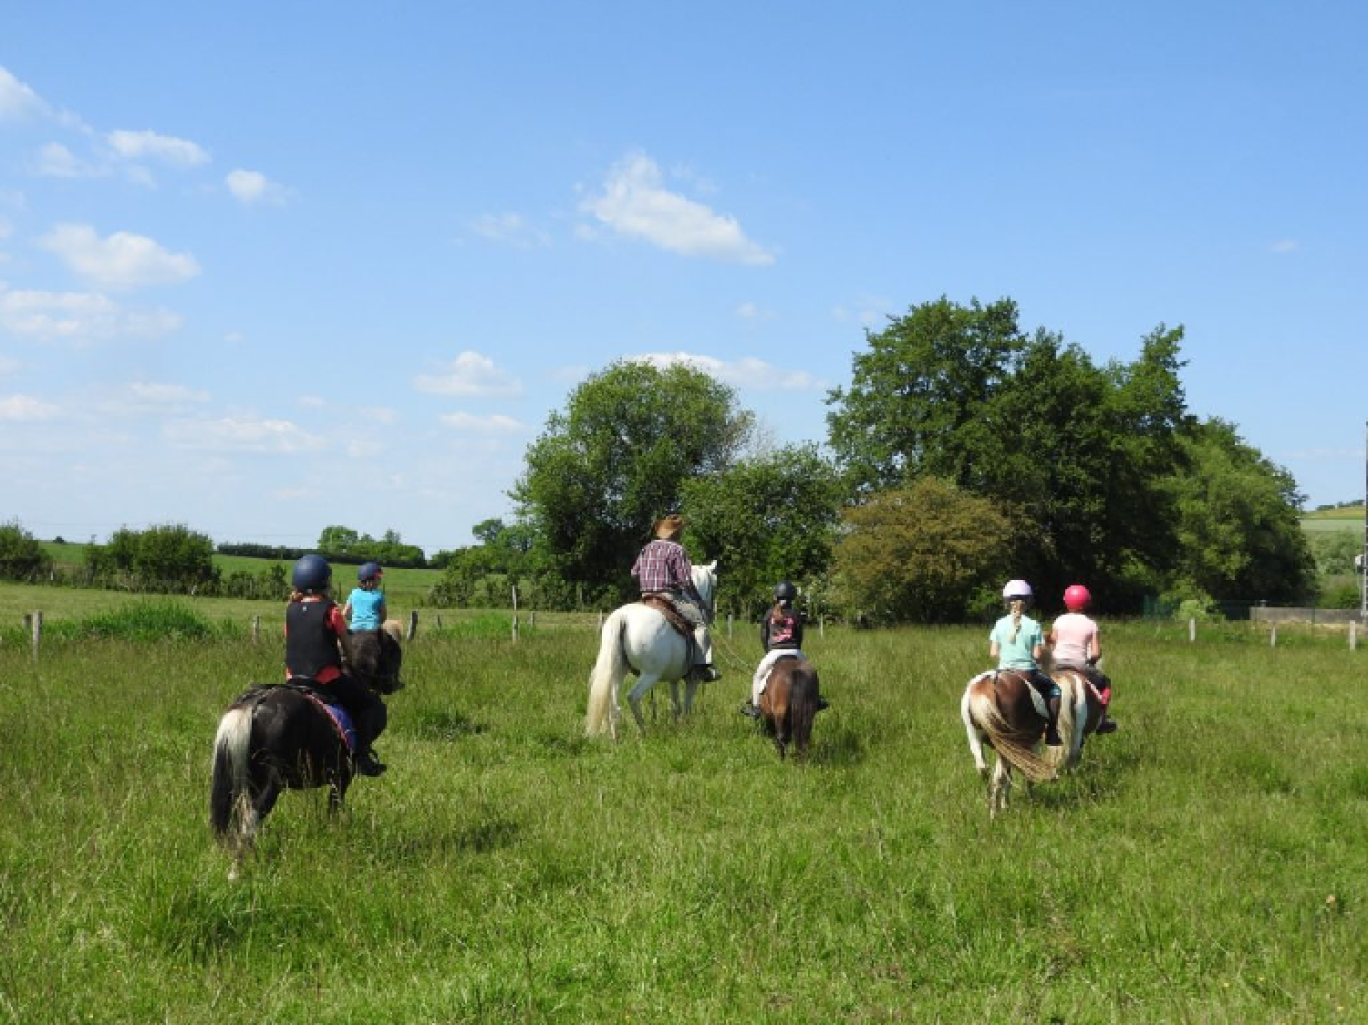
{"points": [[1207, 864]]}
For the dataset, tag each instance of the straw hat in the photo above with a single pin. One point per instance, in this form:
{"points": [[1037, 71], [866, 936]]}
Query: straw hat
{"points": [[669, 527]]}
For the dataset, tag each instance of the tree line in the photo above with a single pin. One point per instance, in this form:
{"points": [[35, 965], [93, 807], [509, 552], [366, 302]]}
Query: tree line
{"points": [[964, 451]]}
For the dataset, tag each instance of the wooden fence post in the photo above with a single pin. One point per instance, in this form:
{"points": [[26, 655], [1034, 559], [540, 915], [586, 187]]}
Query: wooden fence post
{"points": [[1353, 635], [1192, 630], [1273, 636], [37, 632], [729, 625], [256, 629], [515, 612], [413, 625]]}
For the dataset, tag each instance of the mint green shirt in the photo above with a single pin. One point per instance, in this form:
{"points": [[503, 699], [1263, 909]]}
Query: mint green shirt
{"points": [[1016, 654]]}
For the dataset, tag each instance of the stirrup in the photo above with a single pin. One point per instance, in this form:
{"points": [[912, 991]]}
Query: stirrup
{"points": [[750, 709], [368, 765], [1106, 726], [707, 673]]}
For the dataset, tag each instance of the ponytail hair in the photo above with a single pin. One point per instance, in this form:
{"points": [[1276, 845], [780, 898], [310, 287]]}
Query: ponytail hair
{"points": [[1016, 606]]}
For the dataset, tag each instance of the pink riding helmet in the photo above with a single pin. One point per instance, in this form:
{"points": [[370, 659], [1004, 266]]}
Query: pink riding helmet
{"points": [[1076, 598]]}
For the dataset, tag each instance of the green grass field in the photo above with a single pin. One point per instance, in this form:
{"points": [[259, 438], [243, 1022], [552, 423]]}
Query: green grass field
{"points": [[1207, 864]]}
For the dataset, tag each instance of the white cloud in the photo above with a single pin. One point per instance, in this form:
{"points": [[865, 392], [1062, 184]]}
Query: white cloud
{"points": [[236, 434], [166, 149], [121, 261], [26, 408], [751, 373], [56, 161], [510, 229], [635, 203], [470, 374], [146, 397], [379, 414], [252, 187], [472, 424], [17, 100], [78, 317], [1285, 245]]}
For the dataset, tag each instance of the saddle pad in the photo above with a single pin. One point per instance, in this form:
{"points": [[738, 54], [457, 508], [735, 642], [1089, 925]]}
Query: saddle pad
{"points": [[666, 608], [337, 715]]}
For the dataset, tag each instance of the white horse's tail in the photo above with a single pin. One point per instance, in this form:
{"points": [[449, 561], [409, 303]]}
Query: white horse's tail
{"points": [[982, 710], [607, 677], [229, 801]]}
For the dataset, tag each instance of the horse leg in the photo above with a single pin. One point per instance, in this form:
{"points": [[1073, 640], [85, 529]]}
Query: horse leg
{"points": [[675, 706], [1001, 787], [690, 689], [634, 696]]}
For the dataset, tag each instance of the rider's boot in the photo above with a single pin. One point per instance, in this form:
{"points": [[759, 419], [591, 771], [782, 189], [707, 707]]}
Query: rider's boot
{"points": [[1107, 724], [1052, 730], [750, 709], [367, 764]]}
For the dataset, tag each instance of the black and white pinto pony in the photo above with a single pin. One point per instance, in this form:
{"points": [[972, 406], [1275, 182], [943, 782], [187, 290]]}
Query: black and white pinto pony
{"points": [[1003, 711], [279, 737], [639, 639]]}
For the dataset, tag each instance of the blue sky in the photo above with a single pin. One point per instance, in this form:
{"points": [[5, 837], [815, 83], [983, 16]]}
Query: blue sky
{"points": [[270, 267]]}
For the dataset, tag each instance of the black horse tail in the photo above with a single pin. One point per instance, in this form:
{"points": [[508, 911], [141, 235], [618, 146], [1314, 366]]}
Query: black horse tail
{"points": [[803, 700], [232, 750]]}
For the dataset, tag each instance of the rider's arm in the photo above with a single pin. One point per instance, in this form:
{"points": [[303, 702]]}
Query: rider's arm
{"points": [[1094, 649]]}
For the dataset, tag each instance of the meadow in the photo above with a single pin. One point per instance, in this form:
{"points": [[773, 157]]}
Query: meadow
{"points": [[1206, 864]]}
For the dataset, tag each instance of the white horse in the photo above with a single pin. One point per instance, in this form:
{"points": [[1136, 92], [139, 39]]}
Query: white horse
{"points": [[639, 639]]}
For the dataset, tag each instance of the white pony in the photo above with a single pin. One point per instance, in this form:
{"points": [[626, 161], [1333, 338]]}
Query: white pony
{"points": [[639, 639]]}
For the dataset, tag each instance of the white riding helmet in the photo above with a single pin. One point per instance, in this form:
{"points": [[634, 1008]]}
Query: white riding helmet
{"points": [[1017, 589]]}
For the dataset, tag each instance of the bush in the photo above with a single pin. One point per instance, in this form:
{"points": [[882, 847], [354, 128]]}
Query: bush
{"points": [[21, 557]]}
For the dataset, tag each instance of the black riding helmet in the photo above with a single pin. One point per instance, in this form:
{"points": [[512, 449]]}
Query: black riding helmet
{"points": [[785, 591], [369, 571], [311, 573]]}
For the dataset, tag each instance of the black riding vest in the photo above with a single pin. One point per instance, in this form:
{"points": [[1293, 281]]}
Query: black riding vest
{"points": [[309, 644]]}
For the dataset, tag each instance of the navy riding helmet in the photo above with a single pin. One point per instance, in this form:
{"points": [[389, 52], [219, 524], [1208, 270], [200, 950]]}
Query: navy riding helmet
{"points": [[311, 573], [785, 591], [369, 571]]}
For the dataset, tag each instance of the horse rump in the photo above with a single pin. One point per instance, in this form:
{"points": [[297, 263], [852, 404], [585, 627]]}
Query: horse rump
{"points": [[790, 703], [377, 658]]}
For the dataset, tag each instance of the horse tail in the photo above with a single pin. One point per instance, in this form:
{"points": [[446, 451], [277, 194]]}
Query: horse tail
{"points": [[1073, 719], [609, 670], [232, 751], [982, 708], [803, 697]]}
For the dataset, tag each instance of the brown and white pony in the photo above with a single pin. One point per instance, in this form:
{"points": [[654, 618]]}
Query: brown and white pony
{"points": [[1002, 709], [1080, 711]]}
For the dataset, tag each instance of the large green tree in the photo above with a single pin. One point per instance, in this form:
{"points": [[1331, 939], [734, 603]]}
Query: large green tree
{"points": [[768, 518], [617, 457], [924, 552], [1240, 533]]}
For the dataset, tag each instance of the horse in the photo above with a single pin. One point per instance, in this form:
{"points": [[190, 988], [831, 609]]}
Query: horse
{"points": [[1080, 711], [277, 737], [639, 639], [998, 709], [789, 703]]}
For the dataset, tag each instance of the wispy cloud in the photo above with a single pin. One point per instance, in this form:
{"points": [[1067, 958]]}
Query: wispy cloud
{"points": [[18, 102], [252, 188], [166, 149], [26, 408], [634, 202], [754, 374], [77, 317], [1285, 245], [142, 398], [510, 229], [120, 261], [240, 434], [472, 424], [470, 374]]}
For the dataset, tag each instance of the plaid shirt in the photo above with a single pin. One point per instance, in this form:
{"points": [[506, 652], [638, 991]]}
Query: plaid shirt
{"points": [[663, 566]]}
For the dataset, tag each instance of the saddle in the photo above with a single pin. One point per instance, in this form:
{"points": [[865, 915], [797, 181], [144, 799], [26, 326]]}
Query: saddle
{"points": [[672, 615]]}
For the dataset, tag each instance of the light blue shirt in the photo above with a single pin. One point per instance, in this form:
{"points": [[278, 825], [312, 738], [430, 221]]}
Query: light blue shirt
{"points": [[1016, 654], [365, 608]]}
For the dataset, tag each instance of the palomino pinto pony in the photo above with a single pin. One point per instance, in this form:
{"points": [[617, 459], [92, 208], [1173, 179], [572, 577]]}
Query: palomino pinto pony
{"points": [[279, 737], [1000, 709], [1080, 711], [638, 639], [789, 703]]}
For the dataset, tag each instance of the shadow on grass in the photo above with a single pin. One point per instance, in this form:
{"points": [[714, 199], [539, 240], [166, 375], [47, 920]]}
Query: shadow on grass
{"points": [[442, 725]]}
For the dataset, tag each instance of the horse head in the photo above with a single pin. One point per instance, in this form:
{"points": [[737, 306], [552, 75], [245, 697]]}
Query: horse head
{"points": [[705, 582]]}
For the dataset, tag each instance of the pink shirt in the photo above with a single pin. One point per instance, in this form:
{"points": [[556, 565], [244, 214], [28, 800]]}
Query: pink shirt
{"points": [[1074, 636]]}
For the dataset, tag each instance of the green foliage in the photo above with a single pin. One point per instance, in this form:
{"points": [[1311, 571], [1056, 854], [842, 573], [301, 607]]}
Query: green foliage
{"points": [[1239, 528], [617, 458], [768, 518], [920, 553], [168, 558], [21, 556], [141, 621], [343, 544]]}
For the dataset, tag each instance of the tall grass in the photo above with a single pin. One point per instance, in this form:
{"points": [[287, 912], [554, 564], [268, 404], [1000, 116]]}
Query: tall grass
{"points": [[1207, 864]]}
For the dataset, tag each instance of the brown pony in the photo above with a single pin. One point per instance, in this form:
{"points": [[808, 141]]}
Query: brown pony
{"points": [[789, 704], [1000, 709]]}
